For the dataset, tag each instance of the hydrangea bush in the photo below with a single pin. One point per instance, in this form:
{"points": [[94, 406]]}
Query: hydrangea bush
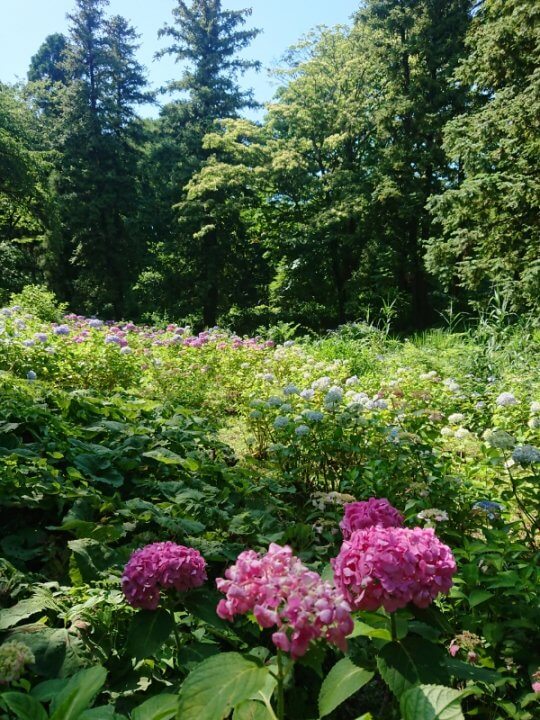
{"points": [[212, 523]]}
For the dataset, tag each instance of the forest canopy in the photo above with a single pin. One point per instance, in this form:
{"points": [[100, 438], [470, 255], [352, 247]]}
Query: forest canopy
{"points": [[396, 170]]}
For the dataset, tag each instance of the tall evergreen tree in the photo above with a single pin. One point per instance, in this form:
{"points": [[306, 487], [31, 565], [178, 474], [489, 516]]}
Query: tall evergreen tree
{"points": [[415, 46], [488, 231], [209, 38], [96, 179]]}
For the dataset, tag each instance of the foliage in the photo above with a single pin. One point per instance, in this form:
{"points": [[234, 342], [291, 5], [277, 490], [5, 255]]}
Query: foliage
{"points": [[103, 451], [488, 231]]}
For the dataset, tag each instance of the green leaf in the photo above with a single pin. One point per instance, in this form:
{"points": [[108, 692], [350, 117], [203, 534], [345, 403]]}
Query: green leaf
{"points": [[343, 680], [479, 596], [218, 685], [465, 671], [411, 662], [165, 456], [160, 707], [79, 694], [22, 611], [251, 710], [148, 631], [48, 645], [25, 707], [362, 629], [103, 712], [432, 702]]}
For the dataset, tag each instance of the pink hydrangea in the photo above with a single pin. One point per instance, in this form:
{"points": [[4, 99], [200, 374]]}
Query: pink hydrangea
{"points": [[373, 512], [391, 567], [281, 591], [163, 565]]}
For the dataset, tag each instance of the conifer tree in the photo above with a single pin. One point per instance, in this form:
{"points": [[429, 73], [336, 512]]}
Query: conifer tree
{"points": [[209, 38], [96, 179]]}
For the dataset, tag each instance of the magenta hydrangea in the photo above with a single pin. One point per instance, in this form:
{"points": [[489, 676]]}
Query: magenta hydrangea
{"points": [[370, 513], [281, 591], [161, 566], [391, 567]]}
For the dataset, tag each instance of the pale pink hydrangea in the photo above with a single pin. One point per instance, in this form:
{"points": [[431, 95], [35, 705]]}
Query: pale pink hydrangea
{"points": [[373, 512], [280, 590], [158, 566], [391, 567]]}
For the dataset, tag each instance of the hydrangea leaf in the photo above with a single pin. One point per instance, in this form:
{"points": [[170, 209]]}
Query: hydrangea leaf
{"points": [[343, 680], [411, 662], [148, 631], [432, 702], [218, 685]]}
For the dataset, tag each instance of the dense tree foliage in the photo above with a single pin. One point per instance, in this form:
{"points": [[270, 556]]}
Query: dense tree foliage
{"points": [[490, 220], [395, 171]]}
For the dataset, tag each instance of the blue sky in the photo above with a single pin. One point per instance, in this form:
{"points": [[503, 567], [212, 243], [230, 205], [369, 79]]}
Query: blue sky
{"points": [[24, 24]]}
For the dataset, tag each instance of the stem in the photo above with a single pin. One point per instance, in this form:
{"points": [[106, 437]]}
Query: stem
{"points": [[393, 627], [177, 637], [281, 695]]}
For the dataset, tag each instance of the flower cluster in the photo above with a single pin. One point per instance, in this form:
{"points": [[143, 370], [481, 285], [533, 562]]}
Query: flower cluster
{"points": [[162, 565], [391, 567], [281, 591], [14, 656], [373, 512], [526, 455], [468, 642]]}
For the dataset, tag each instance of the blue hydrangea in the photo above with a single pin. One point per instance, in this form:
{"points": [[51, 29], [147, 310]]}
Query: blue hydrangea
{"points": [[526, 455], [281, 421], [302, 430], [31, 375]]}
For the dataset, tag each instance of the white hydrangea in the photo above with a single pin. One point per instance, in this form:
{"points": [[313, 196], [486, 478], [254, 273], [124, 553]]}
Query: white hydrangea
{"points": [[499, 439], [535, 407], [322, 383], [456, 418], [462, 433], [351, 381], [307, 394], [506, 399], [452, 385]]}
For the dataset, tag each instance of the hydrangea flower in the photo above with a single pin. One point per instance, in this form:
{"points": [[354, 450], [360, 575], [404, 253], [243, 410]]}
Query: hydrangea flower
{"points": [[490, 508], [280, 422], [499, 439], [433, 515], [302, 430], [526, 455], [281, 591], [322, 383], [369, 513], [95, 323], [162, 565], [14, 656], [506, 399], [392, 567], [313, 415], [41, 337], [61, 330], [307, 394], [291, 389], [456, 418], [31, 375], [334, 396], [535, 407]]}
